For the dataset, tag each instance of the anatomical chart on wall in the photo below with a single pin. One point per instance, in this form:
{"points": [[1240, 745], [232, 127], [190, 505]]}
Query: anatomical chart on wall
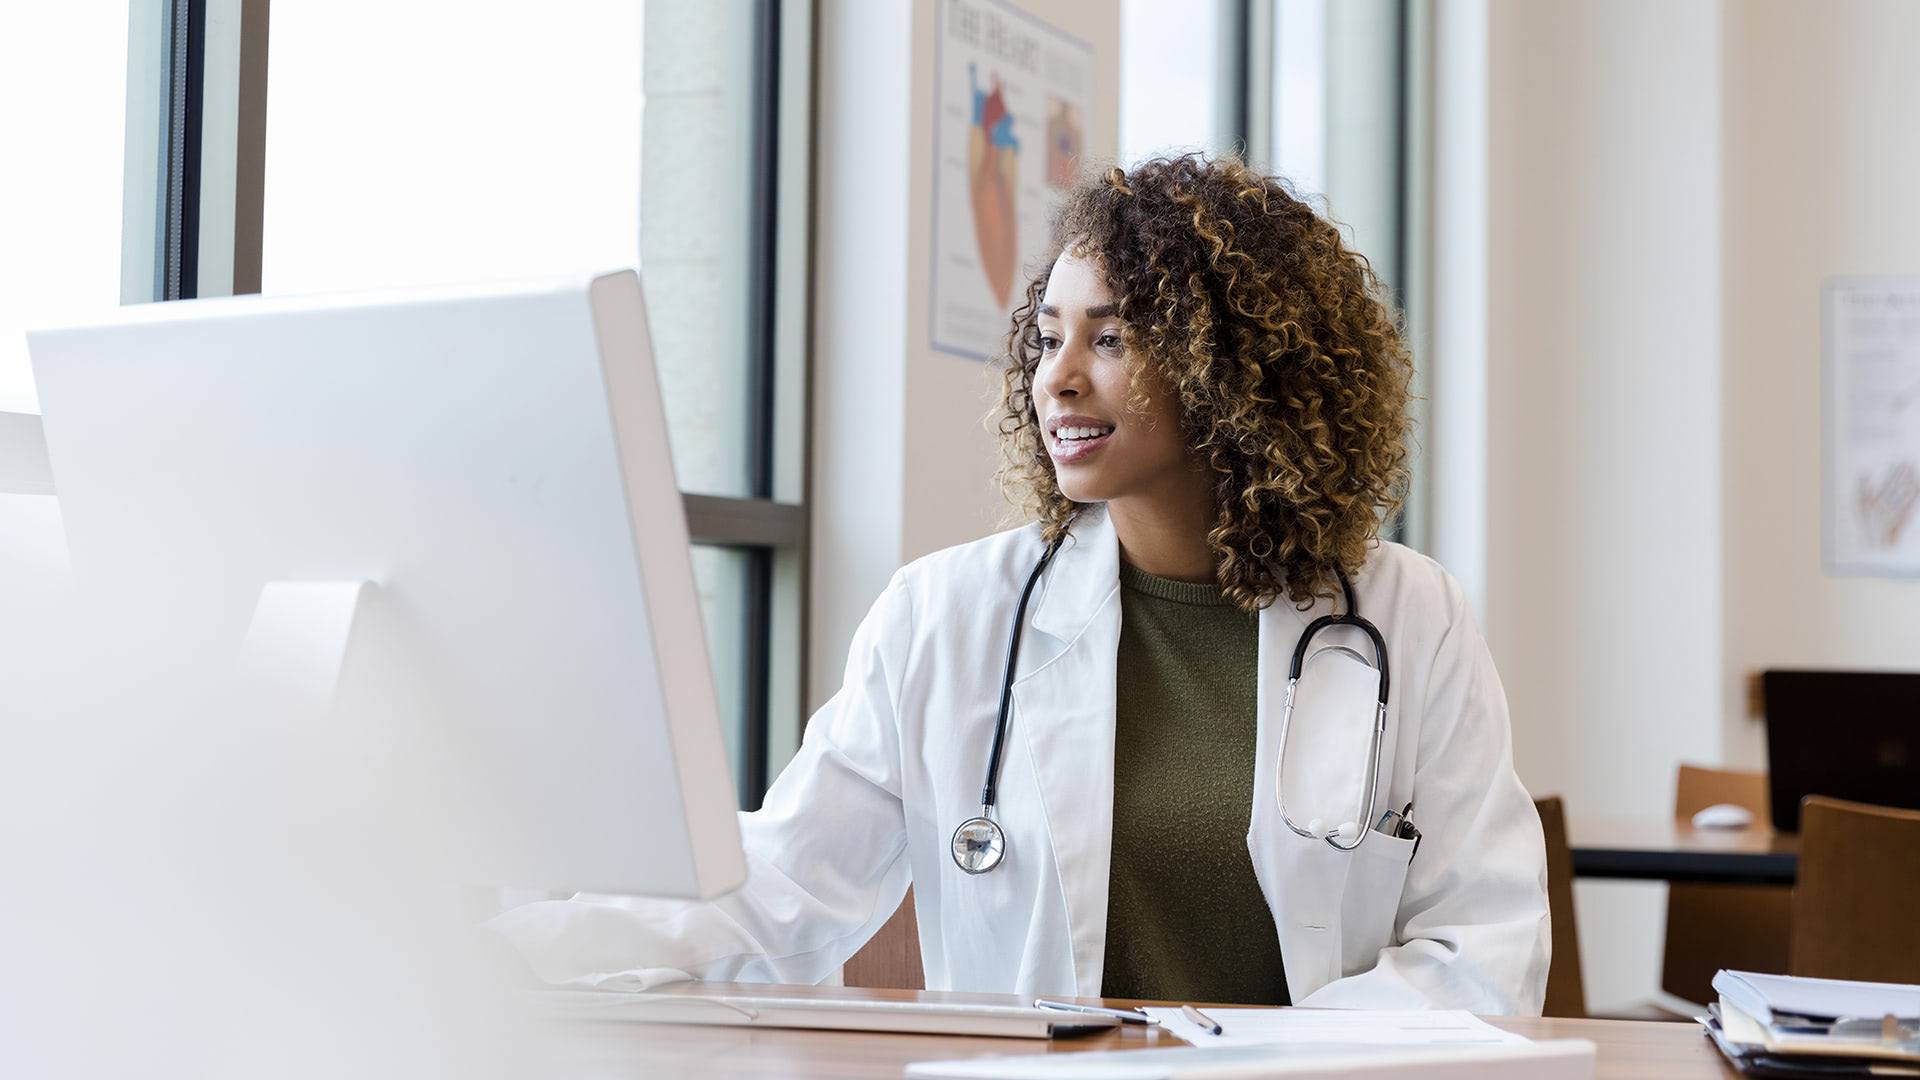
{"points": [[1873, 426], [1010, 99]]}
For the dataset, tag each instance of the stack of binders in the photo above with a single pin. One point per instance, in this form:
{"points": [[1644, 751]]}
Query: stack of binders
{"points": [[1780, 1026]]}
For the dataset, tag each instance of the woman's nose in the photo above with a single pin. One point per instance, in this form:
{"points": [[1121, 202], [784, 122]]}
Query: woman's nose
{"points": [[1064, 375]]}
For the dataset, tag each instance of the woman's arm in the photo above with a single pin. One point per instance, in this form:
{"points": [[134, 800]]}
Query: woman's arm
{"points": [[826, 857]]}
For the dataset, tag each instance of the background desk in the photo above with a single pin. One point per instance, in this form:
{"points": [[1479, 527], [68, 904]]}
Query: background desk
{"points": [[1659, 849], [1628, 1050]]}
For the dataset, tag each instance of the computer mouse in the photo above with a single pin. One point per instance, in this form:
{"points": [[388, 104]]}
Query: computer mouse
{"points": [[1723, 816]]}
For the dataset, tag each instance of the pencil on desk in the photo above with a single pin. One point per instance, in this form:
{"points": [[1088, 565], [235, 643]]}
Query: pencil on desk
{"points": [[1206, 1023]]}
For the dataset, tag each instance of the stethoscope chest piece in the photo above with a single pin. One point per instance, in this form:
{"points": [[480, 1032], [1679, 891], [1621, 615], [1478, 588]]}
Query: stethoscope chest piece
{"points": [[978, 845]]}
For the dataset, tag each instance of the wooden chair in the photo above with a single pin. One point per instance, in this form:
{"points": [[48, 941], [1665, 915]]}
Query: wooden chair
{"points": [[1710, 927], [1566, 994], [891, 959], [1853, 906]]}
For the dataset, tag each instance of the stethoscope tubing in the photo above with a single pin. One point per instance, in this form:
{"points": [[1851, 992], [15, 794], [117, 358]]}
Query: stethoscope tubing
{"points": [[1352, 618], [979, 843], [990, 791]]}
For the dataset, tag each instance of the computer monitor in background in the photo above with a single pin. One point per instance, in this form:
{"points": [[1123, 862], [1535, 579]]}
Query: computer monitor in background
{"points": [[446, 521], [1845, 734]]}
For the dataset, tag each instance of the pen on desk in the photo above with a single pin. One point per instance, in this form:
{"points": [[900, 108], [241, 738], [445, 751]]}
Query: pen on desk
{"points": [[1126, 1016], [1207, 1023]]}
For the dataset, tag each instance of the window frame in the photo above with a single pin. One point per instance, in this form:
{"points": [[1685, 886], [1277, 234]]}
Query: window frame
{"points": [[194, 188], [1251, 110]]}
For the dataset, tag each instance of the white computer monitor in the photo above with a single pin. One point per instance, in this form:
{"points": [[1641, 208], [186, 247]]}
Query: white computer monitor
{"points": [[444, 518]]}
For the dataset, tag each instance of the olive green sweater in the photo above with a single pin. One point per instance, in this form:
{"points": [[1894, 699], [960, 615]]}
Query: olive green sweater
{"points": [[1186, 920]]}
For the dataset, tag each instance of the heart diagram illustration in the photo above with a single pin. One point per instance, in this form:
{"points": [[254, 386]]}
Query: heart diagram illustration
{"points": [[993, 169]]}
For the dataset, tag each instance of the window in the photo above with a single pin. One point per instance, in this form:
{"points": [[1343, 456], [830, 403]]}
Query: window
{"points": [[1168, 106], [1343, 100], [61, 228], [355, 144], [1331, 95]]}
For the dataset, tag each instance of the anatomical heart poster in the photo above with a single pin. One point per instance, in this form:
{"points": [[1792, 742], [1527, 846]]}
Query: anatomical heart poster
{"points": [[1011, 95]]}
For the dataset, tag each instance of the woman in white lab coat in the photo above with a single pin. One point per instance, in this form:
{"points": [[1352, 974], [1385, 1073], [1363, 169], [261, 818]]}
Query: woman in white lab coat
{"points": [[1205, 403]]}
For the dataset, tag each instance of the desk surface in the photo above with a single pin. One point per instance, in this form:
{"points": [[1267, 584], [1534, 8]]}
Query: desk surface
{"points": [[1668, 850], [1628, 1050]]}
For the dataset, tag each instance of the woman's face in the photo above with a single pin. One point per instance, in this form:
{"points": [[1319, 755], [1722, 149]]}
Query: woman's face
{"points": [[1102, 450]]}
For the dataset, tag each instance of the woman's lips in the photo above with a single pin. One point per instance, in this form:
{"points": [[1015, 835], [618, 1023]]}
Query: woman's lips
{"points": [[1072, 451]]}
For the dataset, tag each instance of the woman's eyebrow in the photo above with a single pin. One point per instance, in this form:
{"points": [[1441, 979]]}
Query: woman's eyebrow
{"points": [[1104, 311]]}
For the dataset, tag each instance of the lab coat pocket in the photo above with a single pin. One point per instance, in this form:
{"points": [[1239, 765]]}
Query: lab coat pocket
{"points": [[1372, 902]]}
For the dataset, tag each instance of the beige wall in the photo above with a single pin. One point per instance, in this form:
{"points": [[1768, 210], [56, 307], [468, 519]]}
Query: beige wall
{"points": [[1604, 442], [1820, 181], [1602, 601], [1667, 184], [902, 463], [950, 455]]}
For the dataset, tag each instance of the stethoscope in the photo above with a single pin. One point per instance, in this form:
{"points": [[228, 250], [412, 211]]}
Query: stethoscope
{"points": [[1352, 833], [980, 844]]}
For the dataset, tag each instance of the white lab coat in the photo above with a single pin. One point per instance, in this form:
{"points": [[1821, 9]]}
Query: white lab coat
{"points": [[896, 759]]}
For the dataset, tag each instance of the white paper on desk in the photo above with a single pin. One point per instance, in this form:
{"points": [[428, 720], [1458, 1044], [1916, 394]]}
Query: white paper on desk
{"points": [[1341, 1027], [1554, 1059]]}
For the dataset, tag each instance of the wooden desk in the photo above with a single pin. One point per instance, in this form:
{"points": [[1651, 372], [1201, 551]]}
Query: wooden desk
{"points": [[1662, 849], [1628, 1050]]}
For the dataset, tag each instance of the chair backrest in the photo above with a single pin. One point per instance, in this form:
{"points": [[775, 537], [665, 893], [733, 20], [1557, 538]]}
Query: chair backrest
{"points": [[890, 960], [1699, 788], [1566, 994], [1710, 927], [1854, 902]]}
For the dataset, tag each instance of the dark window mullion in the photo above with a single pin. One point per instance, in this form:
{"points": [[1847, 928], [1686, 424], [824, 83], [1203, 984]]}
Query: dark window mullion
{"points": [[762, 240], [177, 262], [758, 665], [1236, 25], [763, 198]]}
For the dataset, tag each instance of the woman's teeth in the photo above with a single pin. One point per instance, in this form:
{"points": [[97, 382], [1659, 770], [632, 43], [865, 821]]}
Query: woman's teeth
{"points": [[1071, 434]]}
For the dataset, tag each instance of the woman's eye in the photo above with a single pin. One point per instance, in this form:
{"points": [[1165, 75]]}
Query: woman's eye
{"points": [[1048, 343], [1111, 341]]}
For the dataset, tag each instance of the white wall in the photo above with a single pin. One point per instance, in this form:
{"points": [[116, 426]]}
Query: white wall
{"points": [[862, 179], [1455, 442], [903, 464]]}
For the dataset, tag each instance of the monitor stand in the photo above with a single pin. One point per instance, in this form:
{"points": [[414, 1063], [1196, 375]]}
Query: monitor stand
{"points": [[298, 641]]}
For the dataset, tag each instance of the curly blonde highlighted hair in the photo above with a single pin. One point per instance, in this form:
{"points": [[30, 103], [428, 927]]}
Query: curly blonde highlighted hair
{"points": [[1280, 345]]}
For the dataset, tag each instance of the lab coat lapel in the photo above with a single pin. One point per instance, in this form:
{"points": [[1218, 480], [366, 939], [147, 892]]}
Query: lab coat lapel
{"points": [[1303, 879], [1064, 708]]}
